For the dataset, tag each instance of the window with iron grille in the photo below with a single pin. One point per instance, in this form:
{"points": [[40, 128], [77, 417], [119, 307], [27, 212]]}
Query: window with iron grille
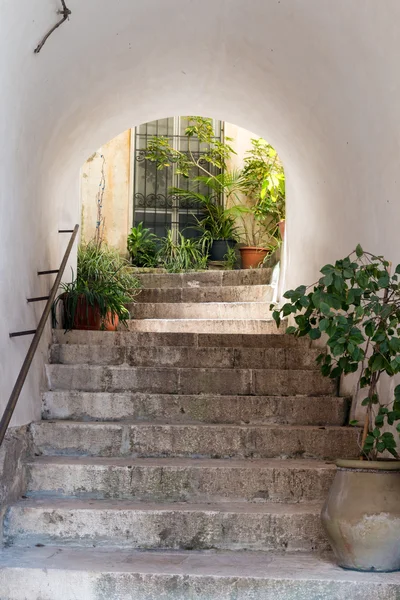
{"points": [[153, 204]]}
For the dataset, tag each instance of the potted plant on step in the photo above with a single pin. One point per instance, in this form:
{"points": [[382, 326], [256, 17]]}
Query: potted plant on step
{"points": [[142, 246], [355, 305], [96, 298], [263, 183], [218, 222]]}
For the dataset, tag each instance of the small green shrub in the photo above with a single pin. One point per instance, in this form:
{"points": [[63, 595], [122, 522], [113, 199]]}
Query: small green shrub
{"points": [[142, 246]]}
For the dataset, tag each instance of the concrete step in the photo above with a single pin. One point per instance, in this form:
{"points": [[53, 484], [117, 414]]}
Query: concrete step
{"points": [[193, 440], [157, 526], [186, 356], [180, 480], [106, 406], [200, 310], [178, 380], [241, 293], [73, 573], [205, 279], [241, 326], [150, 339]]}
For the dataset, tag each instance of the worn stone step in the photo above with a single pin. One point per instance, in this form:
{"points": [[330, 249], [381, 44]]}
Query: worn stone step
{"points": [[179, 380], [158, 526], [73, 573], [193, 440], [180, 479], [200, 310], [186, 356], [151, 339], [106, 406], [205, 279], [241, 293], [241, 326]]}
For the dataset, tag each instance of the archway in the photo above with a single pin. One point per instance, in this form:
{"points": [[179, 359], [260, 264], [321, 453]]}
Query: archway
{"points": [[280, 68]]}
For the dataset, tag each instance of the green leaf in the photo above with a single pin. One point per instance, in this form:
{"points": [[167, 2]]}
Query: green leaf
{"points": [[323, 324], [353, 423], [327, 269], [291, 330], [328, 279], [376, 362], [304, 301], [314, 334], [359, 312], [359, 251], [325, 309]]}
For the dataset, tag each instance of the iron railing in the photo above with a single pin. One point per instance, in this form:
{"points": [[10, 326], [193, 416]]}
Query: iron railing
{"points": [[37, 334]]}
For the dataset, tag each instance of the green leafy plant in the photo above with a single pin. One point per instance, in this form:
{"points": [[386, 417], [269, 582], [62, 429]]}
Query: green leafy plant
{"points": [[183, 254], [142, 246], [230, 259], [104, 281], [263, 182], [218, 222], [356, 305], [160, 150]]}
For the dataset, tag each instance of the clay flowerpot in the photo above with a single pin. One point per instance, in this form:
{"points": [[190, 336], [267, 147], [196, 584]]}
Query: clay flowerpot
{"points": [[362, 515], [252, 256], [88, 318]]}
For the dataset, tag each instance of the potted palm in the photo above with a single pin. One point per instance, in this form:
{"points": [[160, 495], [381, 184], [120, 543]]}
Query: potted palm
{"points": [[355, 305], [218, 223], [96, 298]]}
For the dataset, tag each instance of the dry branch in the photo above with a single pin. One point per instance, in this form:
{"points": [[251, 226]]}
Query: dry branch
{"points": [[65, 12]]}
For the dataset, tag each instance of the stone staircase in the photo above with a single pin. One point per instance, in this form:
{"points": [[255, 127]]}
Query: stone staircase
{"points": [[185, 458]]}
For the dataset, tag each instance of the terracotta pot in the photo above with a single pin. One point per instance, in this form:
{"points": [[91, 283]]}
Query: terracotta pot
{"points": [[87, 318], [281, 226], [252, 256], [362, 515]]}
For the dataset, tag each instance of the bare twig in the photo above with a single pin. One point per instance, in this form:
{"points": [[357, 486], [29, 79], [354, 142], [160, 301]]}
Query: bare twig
{"points": [[65, 12]]}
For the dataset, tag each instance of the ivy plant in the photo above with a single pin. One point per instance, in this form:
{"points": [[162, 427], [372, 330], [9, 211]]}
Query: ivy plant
{"points": [[356, 305]]}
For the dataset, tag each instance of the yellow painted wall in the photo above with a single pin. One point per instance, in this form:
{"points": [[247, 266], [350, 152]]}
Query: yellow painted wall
{"points": [[117, 191]]}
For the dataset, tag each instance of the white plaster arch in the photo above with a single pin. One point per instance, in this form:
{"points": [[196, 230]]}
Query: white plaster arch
{"points": [[319, 79]]}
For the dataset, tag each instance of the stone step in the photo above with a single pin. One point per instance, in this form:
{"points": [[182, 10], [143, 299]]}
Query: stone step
{"points": [[106, 406], [180, 480], [73, 573], [193, 440], [178, 380], [205, 279], [241, 293], [200, 310], [150, 339], [186, 356], [158, 526], [241, 326]]}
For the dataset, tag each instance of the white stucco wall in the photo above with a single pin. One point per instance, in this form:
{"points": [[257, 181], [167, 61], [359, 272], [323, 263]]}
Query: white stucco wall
{"points": [[318, 79]]}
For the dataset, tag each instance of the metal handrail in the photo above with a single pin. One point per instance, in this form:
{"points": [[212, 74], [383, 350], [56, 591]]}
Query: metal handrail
{"points": [[12, 402]]}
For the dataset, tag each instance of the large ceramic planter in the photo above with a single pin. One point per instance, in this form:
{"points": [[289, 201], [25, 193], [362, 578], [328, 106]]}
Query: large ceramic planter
{"points": [[219, 249], [362, 515], [252, 256]]}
